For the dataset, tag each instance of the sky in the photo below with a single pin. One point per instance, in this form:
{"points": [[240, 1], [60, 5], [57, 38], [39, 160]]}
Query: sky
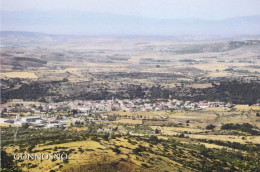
{"points": [[163, 9], [131, 17]]}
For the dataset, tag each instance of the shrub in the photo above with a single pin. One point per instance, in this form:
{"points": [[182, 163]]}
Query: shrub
{"points": [[140, 148], [65, 161], [145, 165], [153, 139], [181, 135], [95, 139], [25, 126], [210, 127], [81, 150], [105, 137], [116, 150], [157, 131], [137, 150], [34, 166]]}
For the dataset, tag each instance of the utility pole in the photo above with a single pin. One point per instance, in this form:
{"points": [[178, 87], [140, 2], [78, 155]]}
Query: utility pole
{"points": [[110, 132], [15, 133]]}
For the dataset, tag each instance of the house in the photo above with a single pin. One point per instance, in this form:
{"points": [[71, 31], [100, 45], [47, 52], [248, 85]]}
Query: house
{"points": [[31, 119], [9, 121], [49, 126], [53, 122]]}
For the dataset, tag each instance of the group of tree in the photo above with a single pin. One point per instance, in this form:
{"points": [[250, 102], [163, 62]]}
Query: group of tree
{"points": [[245, 127], [227, 91]]}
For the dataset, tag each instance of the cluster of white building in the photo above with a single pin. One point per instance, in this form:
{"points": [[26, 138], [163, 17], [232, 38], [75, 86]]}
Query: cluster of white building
{"points": [[39, 121], [114, 104]]}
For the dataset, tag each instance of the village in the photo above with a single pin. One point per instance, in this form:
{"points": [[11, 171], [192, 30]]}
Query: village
{"points": [[57, 115]]}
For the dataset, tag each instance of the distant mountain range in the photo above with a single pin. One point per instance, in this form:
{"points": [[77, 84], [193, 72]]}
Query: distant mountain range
{"points": [[80, 23]]}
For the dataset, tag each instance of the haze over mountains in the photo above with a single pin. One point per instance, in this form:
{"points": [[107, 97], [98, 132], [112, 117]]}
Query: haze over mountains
{"points": [[86, 23]]}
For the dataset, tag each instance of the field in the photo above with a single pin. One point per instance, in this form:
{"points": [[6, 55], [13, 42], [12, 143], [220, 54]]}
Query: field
{"points": [[142, 141], [30, 75], [187, 70], [124, 153]]}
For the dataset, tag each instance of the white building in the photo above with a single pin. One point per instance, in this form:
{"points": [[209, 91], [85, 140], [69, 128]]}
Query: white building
{"points": [[31, 119]]}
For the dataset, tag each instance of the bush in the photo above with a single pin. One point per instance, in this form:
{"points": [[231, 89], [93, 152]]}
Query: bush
{"points": [[34, 166], [25, 126], [105, 137], [116, 150], [30, 148], [153, 139], [181, 135], [137, 150], [157, 131], [81, 150], [210, 127], [65, 161], [95, 139], [140, 148], [145, 165]]}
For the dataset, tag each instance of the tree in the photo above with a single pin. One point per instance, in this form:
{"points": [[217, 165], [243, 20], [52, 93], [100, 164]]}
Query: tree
{"points": [[74, 111], [137, 150], [153, 139], [157, 131], [7, 163], [144, 165], [65, 161], [210, 127], [42, 99], [116, 150], [181, 135], [25, 126], [105, 137], [65, 80]]}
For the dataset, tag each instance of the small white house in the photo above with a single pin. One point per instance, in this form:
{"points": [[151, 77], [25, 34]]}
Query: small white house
{"points": [[31, 119]]}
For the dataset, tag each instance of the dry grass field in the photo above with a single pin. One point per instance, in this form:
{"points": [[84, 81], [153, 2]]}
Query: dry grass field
{"points": [[120, 153], [93, 153], [30, 75], [186, 129]]}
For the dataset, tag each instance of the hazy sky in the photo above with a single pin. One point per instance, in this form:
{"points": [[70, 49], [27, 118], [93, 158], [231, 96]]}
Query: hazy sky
{"points": [[167, 9], [132, 17]]}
